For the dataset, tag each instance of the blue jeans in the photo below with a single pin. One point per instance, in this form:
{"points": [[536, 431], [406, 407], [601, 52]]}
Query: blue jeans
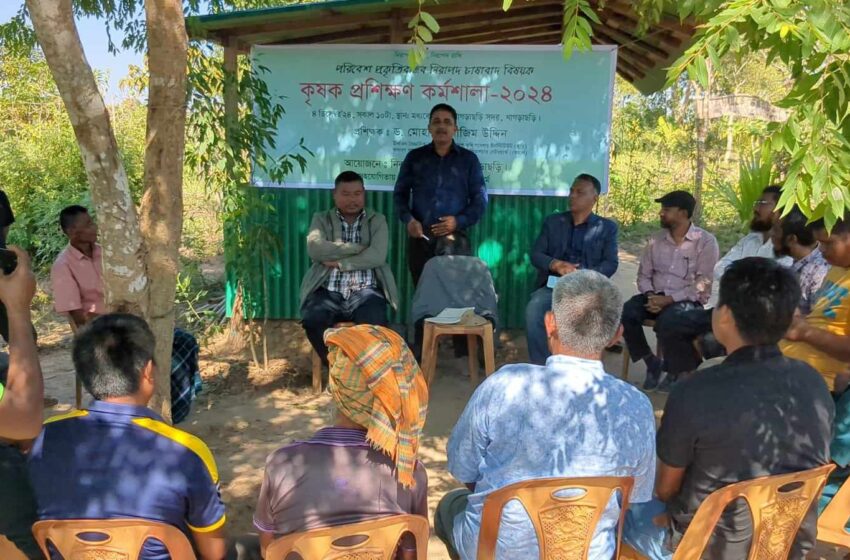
{"points": [[643, 535], [538, 345]]}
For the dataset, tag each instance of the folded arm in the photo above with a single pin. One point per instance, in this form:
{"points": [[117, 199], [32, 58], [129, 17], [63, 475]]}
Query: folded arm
{"points": [[375, 254], [321, 249]]}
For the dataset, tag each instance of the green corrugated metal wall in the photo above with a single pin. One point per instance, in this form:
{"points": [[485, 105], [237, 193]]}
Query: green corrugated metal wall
{"points": [[503, 239]]}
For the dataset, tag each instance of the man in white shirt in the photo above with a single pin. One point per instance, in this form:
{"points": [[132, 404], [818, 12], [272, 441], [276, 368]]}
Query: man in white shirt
{"points": [[677, 337]]}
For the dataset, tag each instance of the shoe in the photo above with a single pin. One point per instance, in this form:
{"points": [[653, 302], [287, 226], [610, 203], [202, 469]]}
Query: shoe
{"points": [[653, 373], [50, 402], [667, 383], [616, 348]]}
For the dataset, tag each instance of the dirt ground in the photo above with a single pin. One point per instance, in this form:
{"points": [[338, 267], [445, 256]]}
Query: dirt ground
{"points": [[245, 413]]}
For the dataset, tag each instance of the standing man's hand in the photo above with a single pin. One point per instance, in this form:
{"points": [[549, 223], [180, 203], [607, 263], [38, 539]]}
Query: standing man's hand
{"points": [[18, 289], [331, 264], [562, 268], [414, 228], [447, 225]]}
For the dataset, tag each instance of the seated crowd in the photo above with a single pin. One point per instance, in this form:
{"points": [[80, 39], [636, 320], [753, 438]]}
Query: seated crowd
{"points": [[778, 403]]}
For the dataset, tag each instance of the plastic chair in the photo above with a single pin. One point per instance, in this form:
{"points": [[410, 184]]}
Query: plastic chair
{"points": [[564, 524], [9, 551], [777, 503], [317, 361], [834, 518], [78, 387], [107, 539], [473, 328], [380, 542]]}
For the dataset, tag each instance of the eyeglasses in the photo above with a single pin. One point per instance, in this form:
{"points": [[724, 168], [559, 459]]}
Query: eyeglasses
{"points": [[758, 203]]}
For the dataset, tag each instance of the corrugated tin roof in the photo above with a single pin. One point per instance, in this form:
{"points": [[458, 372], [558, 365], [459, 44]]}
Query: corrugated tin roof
{"points": [[642, 59]]}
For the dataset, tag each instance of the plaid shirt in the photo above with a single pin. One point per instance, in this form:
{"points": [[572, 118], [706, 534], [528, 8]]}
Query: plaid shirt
{"points": [[348, 282], [185, 374]]}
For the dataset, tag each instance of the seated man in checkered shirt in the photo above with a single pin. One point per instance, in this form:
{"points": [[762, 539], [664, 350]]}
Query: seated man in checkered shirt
{"points": [[350, 279]]}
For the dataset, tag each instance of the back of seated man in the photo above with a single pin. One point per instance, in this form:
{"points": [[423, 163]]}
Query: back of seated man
{"points": [[568, 418], [676, 335], [350, 279], [574, 240], [118, 458], [364, 466], [756, 414], [21, 407], [674, 277], [78, 291]]}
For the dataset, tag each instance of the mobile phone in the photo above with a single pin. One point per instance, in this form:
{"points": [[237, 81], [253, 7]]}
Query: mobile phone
{"points": [[8, 261]]}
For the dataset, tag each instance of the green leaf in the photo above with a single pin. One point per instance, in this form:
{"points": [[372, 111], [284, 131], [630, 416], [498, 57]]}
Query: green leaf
{"points": [[429, 20], [699, 71], [425, 33], [506, 4]]}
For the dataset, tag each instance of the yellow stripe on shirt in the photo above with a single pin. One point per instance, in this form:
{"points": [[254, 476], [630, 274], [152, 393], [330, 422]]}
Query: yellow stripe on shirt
{"points": [[217, 525], [193, 443], [67, 416]]}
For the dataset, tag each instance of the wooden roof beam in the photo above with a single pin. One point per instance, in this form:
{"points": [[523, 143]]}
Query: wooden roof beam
{"points": [[670, 23], [476, 35], [498, 38], [651, 51], [619, 22], [543, 38], [334, 20]]}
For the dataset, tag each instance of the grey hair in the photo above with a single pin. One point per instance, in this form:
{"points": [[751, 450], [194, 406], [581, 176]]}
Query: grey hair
{"points": [[588, 308]]}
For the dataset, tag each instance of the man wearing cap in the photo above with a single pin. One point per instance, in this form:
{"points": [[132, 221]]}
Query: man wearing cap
{"points": [[675, 275], [363, 466], [678, 336]]}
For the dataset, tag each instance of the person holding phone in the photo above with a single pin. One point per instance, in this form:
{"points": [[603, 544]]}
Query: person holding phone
{"points": [[21, 406]]}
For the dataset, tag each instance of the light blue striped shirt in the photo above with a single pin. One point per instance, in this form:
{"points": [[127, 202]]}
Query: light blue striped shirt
{"points": [[565, 419]]}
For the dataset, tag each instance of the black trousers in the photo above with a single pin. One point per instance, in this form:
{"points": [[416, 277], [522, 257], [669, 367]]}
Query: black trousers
{"points": [[635, 313], [17, 502], [677, 335], [323, 309], [420, 251]]}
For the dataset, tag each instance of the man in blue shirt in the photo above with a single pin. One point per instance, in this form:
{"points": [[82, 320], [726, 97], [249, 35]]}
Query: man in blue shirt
{"points": [[574, 240], [446, 185], [119, 459], [568, 418]]}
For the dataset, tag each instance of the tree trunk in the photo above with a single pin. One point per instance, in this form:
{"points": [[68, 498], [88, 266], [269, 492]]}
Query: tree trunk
{"points": [[162, 204], [124, 273], [140, 254]]}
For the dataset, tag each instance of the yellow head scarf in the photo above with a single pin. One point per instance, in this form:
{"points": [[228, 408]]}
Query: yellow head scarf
{"points": [[376, 382]]}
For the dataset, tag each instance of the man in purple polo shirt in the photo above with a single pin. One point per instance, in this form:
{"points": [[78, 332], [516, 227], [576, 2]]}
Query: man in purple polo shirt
{"points": [[119, 459], [364, 466]]}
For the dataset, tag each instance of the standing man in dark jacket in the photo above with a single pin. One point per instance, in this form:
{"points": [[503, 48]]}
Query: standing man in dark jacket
{"points": [[574, 240], [440, 190]]}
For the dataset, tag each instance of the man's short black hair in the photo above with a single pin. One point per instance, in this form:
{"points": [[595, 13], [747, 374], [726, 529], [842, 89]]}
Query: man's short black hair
{"points": [[762, 296], [774, 190], [796, 223], [111, 352], [597, 186], [842, 226], [348, 177], [69, 214], [443, 107]]}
